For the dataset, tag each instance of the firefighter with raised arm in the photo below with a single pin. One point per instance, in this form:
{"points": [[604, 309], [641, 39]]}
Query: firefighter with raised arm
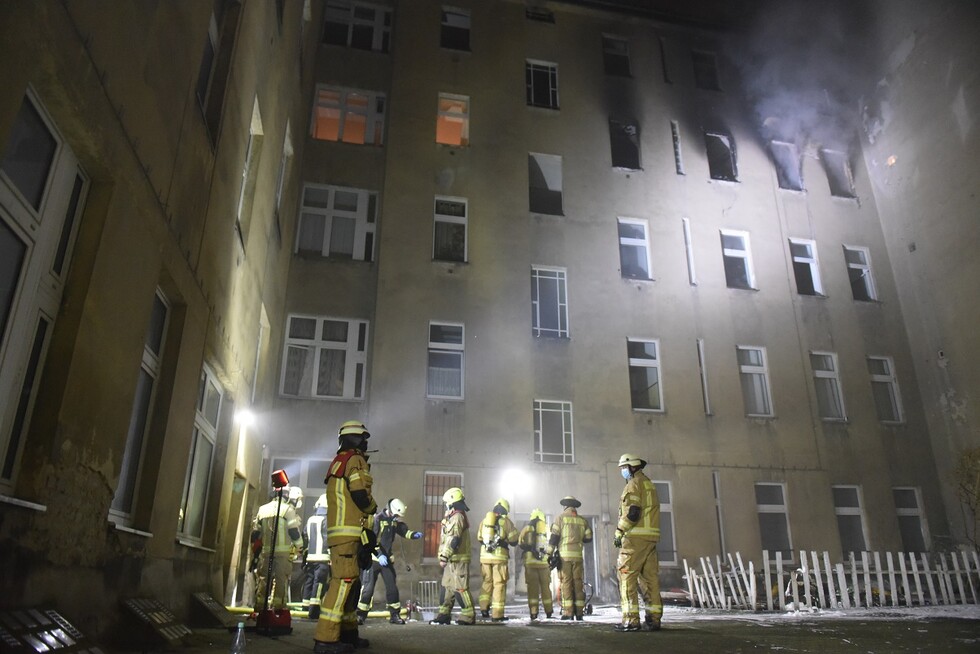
{"points": [[497, 534], [533, 541], [637, 534], [317, 559], [386, 525], [454, 557], [350, 503], [569, 533], [289, 539]]}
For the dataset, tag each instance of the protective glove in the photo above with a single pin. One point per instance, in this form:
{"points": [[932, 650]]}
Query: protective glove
{"points": [[618, 539], [383, 560], [417, 535]]}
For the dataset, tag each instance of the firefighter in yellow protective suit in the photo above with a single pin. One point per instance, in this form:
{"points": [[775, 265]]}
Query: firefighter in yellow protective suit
{"points": [[569, 532], [288, 541], [317, 565], [637, 534], [350, 503], [497, 534], [454, 557], [533, 541]]}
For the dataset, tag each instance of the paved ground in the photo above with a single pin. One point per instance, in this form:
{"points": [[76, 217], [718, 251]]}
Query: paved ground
{"points": [[686, 631]]}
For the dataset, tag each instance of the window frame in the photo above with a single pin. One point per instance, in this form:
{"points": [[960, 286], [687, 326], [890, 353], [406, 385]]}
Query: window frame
{"points": [[746, 258], [625, 133], [655, 363], [763, 370], [841, 511], [812, 262], [840, 177], [373, 114], [463, 220], [705, 62], [567, 436], [612, 58], [785, 181], [628, 242], [545, 163], [446, 29], [894, 390], [380, 26], [446, 348], [449, 116], [917, 512], [782, 509], [365, 223], [535, 70], [869, 285], [433, 508], [355, 348], [834, 383], [666, 509], [731, 163], [560, 275], [203, 428]]}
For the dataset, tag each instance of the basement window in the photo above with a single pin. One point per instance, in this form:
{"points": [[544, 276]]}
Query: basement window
{"points": [[720, 148], [787, 160]]}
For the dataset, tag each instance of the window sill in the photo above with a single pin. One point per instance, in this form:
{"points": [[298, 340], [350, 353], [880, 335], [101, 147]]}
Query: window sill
{"points": [[24, 504], [760, 418], [623, 169], [189, 544], [656, 412], [751, 289], [727, 182], [130, 530], [443, 398], [541, 214]]}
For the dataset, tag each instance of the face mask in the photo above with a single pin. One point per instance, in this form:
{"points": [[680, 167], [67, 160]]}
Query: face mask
{"points": [[626, 473]]}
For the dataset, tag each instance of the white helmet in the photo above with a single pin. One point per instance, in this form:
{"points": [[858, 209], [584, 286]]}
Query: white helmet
{"points": [[321, 502], [630, 460], [397, 507], [296, 496]]}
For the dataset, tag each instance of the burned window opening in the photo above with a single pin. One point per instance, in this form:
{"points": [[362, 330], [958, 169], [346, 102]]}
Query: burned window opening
{"points": [[838, 171], [675, 134], [721, 156], [705, 70], [787, 160], [624, 140]]}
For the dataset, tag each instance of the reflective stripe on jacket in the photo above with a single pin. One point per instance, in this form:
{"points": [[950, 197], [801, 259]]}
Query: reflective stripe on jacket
{"points": [[573, 531], [455, 525], [642, 493], [265, 521], [345, 519], [492, 527], [316, 536]]}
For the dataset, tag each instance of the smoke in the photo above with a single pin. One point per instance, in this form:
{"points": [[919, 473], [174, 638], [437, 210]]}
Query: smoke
{"points": [[804, 68]]}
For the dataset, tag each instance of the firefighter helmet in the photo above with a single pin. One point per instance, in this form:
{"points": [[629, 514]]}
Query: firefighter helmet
{"points": [[397, 507], [353, 428], [321, 502], [630, 460], [453, 495], [296, 496], [537, 514], [503, 504], [568, 500]]}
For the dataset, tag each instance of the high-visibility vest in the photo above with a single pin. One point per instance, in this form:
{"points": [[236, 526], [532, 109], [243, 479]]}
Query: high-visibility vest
{"points": [[642, 493], [316, 537], [573, 531]]}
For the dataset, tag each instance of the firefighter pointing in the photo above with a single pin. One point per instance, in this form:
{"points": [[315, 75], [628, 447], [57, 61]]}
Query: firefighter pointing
{"points": [[350, 503], [637, 534]]}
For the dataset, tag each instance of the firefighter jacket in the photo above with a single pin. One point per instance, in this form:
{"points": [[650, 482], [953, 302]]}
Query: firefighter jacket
{"points": [[533, 540], [571, 531], [496, 535], [348, 478], [316, 538], [386, 526], [288, 534], [639, 509], [454, 546]]}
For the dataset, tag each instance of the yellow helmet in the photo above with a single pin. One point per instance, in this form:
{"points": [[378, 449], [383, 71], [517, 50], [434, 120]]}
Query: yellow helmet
{"points": [[353, 427], [453, 495], [630, 460], [537, 514], [504, 504]]}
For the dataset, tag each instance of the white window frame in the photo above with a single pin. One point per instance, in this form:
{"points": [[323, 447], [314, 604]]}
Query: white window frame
{"points": [[532, 69], [858, 510], [915, 512], [365, 221], [703, 373], [552, 171], [454, 114], [692, 275], [890, 380], [132, 463], [355, 360], [463, 220], [567, 455], [304, 474], [378, 27], [830, 379], [374, 114], [284, 158], [810, 260], [203, 428], [560, 275], [762, 372], [446, 348], [645, 362], [629, 242], [864, 271], [666, 511], [782, 509], [48, 233], [744, 254]]}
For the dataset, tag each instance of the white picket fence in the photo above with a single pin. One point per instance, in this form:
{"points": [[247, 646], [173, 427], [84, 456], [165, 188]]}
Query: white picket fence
{"points": [[811, 582]]}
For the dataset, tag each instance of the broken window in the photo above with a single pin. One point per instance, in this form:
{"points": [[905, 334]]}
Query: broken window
{"points": [[541, 79], [549, 302], [721, 156], [838, 171], [624, 140], [787, 160], [544, 172], [616, 56], [553, 438], [357, 25], [705, 70], [805, 268], [455, 32]]}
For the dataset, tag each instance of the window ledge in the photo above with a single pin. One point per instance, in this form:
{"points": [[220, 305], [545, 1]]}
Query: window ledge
{"points": [[727, 182], [24, 504], [835, 421], [541, 214], [751, 289], [760, 418], [130, 530], [656, 412], [189, 544], [623, 169], [437, 399]]}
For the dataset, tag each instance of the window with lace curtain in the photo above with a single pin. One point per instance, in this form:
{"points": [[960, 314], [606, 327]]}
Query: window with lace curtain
{"points": [[449, 229], [324, 358], [445, 368]]}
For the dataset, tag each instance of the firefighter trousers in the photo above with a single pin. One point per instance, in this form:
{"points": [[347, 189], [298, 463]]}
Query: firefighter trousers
{"points": [[639, 573], [338, 610], [315, 585], [493, 593], [368, 580], [456, 581], [538, 579], [282, 568], [572, 577]]}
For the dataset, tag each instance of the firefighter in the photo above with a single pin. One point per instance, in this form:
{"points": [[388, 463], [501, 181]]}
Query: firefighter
{"points": [[636, 536], [533, 541], [317, 564], [454, 558], [289, 539], [497, 534], [569, 532], [387, 524], [350, 503]]}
